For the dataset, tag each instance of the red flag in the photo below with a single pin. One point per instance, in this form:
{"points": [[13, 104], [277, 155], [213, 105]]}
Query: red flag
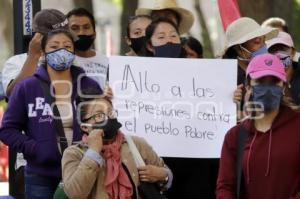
{"points": [[229, 11]]}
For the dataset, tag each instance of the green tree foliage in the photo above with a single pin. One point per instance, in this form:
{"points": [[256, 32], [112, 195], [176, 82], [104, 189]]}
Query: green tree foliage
{"points": [[294, 25], [260, 10]]}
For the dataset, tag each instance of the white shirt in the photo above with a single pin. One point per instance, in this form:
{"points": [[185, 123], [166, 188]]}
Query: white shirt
{"points": [[12, 67], [95, 67]]}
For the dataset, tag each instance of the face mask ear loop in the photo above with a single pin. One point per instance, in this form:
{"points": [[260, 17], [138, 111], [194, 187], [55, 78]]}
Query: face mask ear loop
{"points": [[245, 49], [288, 85], [242, 50]]}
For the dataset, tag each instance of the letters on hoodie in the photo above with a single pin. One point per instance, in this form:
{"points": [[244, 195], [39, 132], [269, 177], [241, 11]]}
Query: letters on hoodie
{"points": [[39, 105]]}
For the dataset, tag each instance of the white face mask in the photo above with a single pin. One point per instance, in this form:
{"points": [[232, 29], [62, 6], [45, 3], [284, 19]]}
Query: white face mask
{"points": [[285, 57]]}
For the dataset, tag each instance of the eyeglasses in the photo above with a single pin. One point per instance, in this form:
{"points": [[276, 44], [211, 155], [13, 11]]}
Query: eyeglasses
{"points": [[101, 117]]}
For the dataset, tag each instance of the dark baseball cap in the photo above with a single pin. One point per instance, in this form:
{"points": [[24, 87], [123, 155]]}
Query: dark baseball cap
{"points": [[49, 19]]}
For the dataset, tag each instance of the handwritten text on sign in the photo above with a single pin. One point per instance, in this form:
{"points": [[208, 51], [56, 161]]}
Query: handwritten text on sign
{"points": [[182, 107]]}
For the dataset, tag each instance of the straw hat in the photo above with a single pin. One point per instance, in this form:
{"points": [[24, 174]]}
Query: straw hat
{"points": [[187, 18], [245, 29]]}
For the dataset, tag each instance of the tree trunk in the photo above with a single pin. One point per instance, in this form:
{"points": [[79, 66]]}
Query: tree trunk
{"points": [[6, 19], [263, 9], [207, 48], [294, 24], [129, 7], [260, 10]]}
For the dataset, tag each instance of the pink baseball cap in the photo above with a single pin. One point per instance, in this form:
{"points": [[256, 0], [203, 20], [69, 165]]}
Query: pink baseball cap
{"points": [[266, 65], [282, 38]]}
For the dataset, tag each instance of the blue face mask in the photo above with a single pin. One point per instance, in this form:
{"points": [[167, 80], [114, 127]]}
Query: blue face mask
{"points": [[260, 51], [170, 50], [60, 60], [268, 95]]}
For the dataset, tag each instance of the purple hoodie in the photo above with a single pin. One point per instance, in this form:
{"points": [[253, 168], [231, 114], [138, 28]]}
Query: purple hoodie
{"points": [[27, 111]]}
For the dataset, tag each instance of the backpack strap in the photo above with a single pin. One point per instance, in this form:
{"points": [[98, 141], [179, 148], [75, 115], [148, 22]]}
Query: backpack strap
{"points": [[57, 121], [239, 159]]}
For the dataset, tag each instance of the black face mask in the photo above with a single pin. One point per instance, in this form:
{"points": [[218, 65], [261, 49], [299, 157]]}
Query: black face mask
{"points": [[170, 50], [84, 42], [110, 128], [137, 44]]}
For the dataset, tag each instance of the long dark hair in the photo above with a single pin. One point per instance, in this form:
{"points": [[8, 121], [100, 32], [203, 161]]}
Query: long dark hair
{"points": [[193, 44], [230, 53]]}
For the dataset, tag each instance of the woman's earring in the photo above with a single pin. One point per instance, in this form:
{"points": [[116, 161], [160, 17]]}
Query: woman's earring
{"points": [[283, 90]]}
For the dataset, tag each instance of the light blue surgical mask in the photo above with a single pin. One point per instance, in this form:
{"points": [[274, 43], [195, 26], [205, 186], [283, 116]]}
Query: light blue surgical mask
{"points": [[260, 51], [60, 60]]}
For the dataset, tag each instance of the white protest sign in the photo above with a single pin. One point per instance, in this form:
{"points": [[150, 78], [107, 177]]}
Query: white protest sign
{"points": [[182, 107]]}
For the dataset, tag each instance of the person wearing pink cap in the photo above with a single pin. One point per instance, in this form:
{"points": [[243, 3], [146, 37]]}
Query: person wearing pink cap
{"points": [[260, 156], [281, 25], [283, 47]]}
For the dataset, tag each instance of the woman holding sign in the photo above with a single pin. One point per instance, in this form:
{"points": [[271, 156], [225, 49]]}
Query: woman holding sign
{"points": [[103, 165], [199, 175], [260, 156], [163, 40]]}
